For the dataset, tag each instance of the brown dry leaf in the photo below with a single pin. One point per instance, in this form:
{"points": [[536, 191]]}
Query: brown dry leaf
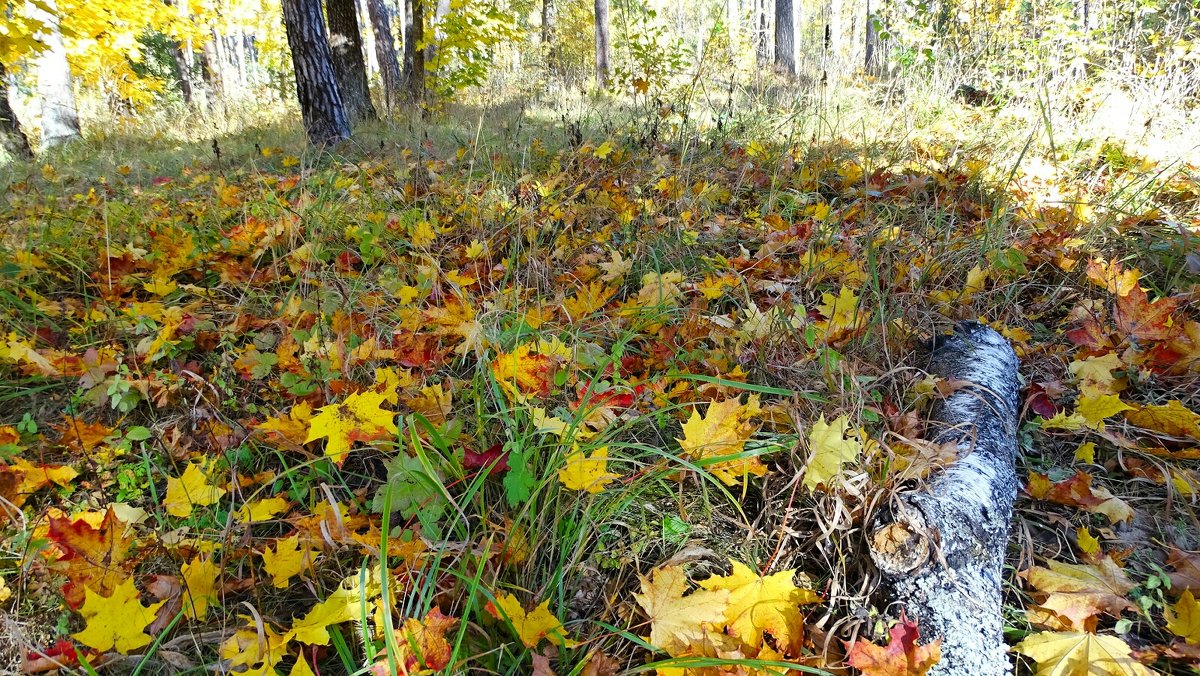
{"points": [[1074, 594]]}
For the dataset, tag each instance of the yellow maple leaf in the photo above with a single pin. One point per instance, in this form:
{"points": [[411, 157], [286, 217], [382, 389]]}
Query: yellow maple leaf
{"points": [[841, 313], [262, 510], [830, 449], [1080, 654], [758, 604], [292, 426], [258, 644], [191, 489], [199, 586], [532, 626], [1095, 405], [522, 373], [677, 621], [35, 477], [1172, 418], [1183, 618], [723, 431], [287, 560], [1088, 543], [341, 606], [359, 417], [1098, 371], [616, 269], [587, 473], [1110, 276], [1061, 421], [117, 621], [587, 299]]}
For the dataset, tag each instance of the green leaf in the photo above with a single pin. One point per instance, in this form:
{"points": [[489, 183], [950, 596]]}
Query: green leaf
{"points": [[518, 482]]}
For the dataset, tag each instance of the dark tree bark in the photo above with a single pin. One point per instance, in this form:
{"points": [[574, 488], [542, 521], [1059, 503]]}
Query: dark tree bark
{"points": [[414, 59], [60, 116], [785, 37], [603, 45], [12, 138], [325, 117], [941, 546], [345, 41], [549, 26], [873, 63], [385, 53]]}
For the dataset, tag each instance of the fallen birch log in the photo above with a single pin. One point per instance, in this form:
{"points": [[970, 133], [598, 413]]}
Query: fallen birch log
{"points": [[941, 547]]}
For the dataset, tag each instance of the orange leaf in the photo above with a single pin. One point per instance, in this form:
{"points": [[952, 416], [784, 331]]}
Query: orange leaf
{"points": [[900, 657], [1139, 318], [92, 557]]}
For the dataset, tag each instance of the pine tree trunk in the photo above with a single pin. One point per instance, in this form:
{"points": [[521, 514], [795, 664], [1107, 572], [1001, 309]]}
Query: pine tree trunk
{"points": [[414, 59], [785, 37], [60, 117], [603, 46], [385, 52], [941, 546], [325, 117], [549, 25], [345, 41], [12, 138]]}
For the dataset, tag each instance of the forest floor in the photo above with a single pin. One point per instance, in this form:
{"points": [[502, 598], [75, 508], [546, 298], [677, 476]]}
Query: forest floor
{"points": [[499, 396]]}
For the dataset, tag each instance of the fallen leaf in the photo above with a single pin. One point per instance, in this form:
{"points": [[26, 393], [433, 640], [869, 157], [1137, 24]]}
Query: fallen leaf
{"points": [[117, 621], [190, 490], [830, 447], [533, 626], [359, 417], [902, 656], [587, 474], [677, 621], [1183, 618], [1080, 654], [758, 604]]}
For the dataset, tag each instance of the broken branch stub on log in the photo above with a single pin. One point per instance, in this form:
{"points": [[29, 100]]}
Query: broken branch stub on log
{"points": [[940, 548]]}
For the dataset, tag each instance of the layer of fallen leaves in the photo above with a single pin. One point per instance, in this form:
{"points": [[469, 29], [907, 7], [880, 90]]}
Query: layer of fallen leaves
{"points": [[389, 413]]}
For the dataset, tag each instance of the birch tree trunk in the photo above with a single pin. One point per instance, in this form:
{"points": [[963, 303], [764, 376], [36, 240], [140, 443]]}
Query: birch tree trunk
{"points": [[603, 46], [941, 548], [762, 43], [12, 138], [345, 41], [785, 37], [60, 117], [549, 24], [385, 52], [325, 117]]}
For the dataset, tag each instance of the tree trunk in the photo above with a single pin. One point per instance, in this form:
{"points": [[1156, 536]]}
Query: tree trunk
{"points": [[762, 44], [549, 24], [440, 10], [733, 21], [60, 117], [941, 547], [385, 52], [603, 47], [785, 37], [12, 138], [873, 63], [345, 41], [212, 71], [325, 117], [414, 59]]}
